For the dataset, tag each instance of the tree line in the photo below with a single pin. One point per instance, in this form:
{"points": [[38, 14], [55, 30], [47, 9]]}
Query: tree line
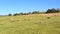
{"points": [[53, 10], [37, 12]]}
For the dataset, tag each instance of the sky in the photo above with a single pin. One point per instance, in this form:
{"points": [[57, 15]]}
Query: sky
{"points": [[18, 6]]}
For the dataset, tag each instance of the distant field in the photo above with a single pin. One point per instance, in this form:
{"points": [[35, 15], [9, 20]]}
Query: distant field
{"points": [[30, 24]]}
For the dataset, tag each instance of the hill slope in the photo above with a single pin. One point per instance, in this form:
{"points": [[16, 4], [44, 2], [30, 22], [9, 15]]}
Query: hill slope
{"points": [[30, 24]]}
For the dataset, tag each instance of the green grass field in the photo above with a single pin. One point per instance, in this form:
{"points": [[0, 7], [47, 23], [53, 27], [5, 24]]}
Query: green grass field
{"points": [[30, 24]]}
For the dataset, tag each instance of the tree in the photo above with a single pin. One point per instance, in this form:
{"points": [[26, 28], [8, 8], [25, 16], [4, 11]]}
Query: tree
{"points": [[16, 14], [25, 13], [52, 10], [29, 13], [35, 12], [48, 11], [21, 13], [58, 10], [9, 14]]}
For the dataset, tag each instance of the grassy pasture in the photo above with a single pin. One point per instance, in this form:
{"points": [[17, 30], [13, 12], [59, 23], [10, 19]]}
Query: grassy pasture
{"points": [[30, 24]]}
